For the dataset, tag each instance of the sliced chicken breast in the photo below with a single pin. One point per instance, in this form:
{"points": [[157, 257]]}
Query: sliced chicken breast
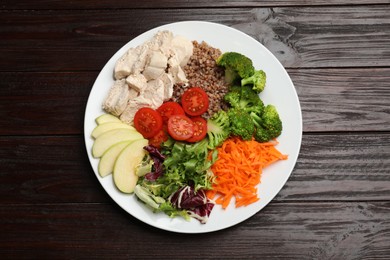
{"points": [[137, 82], [117, 98], [183, 49]]}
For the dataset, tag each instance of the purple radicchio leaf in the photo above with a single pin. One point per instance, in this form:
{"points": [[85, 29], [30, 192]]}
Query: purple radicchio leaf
{"points": [[158, 160], [202, 213], [154, 152], [198, 205]]}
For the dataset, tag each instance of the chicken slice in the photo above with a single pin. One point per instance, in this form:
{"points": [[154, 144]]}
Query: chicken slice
{"points": [[132, 62], [155, 66], [116, 100], [168, 85], [176, 71], [183, 49], [135, 60], [151, 96], [124, 65], [158, 59], [162, 41], [155, 92], [137, 82], [149, 73], [143, 52], [132, 107], [152, 73]]}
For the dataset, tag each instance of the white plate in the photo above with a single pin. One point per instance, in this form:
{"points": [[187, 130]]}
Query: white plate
{"points": [[279, 91]]}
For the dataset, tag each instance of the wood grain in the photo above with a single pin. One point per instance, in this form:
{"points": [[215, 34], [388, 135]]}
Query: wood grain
{"points": [[335, 205], [356, 230], [331, 100], [47, 169], [343, 100], [348, 167], [298, 36], [152, 4], [51, 103]]}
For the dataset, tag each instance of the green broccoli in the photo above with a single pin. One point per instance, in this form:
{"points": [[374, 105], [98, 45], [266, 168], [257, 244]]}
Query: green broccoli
{"points": [[257, 120], [272, 121], [233, 96], [218, 129], [257, 81], [244, 98], [268, 126], [261, 135], [241, 123], [237, 66]]}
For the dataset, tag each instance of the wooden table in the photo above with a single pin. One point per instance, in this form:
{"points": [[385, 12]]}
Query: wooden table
{"points": [[336, 204]]}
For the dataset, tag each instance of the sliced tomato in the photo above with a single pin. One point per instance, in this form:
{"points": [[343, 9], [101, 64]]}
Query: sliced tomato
{"points": [[180, 127], [195, 101], [200, 129], [148, 122], [158, 139], [168, 109]]}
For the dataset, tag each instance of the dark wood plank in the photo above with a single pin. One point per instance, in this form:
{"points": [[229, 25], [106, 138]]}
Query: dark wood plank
{"points": [[323, 37], [54, 169], [331, 100], [282, 230], [343, 99], [298, 36], [44, 103], [335, 205], [47, 169], [341, 167], [151, 4]]}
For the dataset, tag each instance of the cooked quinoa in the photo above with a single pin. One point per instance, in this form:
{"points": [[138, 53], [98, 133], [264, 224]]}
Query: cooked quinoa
{"points": [[202, 71]]}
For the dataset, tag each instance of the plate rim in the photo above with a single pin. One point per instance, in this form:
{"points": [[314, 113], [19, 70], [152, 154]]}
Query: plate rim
{"points": [[114, 57]]}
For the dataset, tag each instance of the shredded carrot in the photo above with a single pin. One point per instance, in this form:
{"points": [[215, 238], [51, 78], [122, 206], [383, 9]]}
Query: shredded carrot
{"points": [[238, 170]]}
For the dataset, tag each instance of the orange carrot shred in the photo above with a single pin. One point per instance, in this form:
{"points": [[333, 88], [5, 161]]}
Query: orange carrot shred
{"points": [[238, 170]]}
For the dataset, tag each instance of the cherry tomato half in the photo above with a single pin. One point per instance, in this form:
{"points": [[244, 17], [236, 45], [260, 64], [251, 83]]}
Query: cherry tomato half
{"points": [[158, 138], [180, 127], [195, 101], [168, 109], [200, 129], [148, 122]]}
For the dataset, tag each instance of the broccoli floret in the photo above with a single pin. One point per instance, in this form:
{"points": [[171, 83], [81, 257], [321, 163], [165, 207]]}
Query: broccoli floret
{"points": [[250, 101], [231, 76], [237, 66], [241, 123], [261, 135], [244, 98], [218, 129], [269, 125], [233, 96], [257, 81], [257, 120], [272, 121]]}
